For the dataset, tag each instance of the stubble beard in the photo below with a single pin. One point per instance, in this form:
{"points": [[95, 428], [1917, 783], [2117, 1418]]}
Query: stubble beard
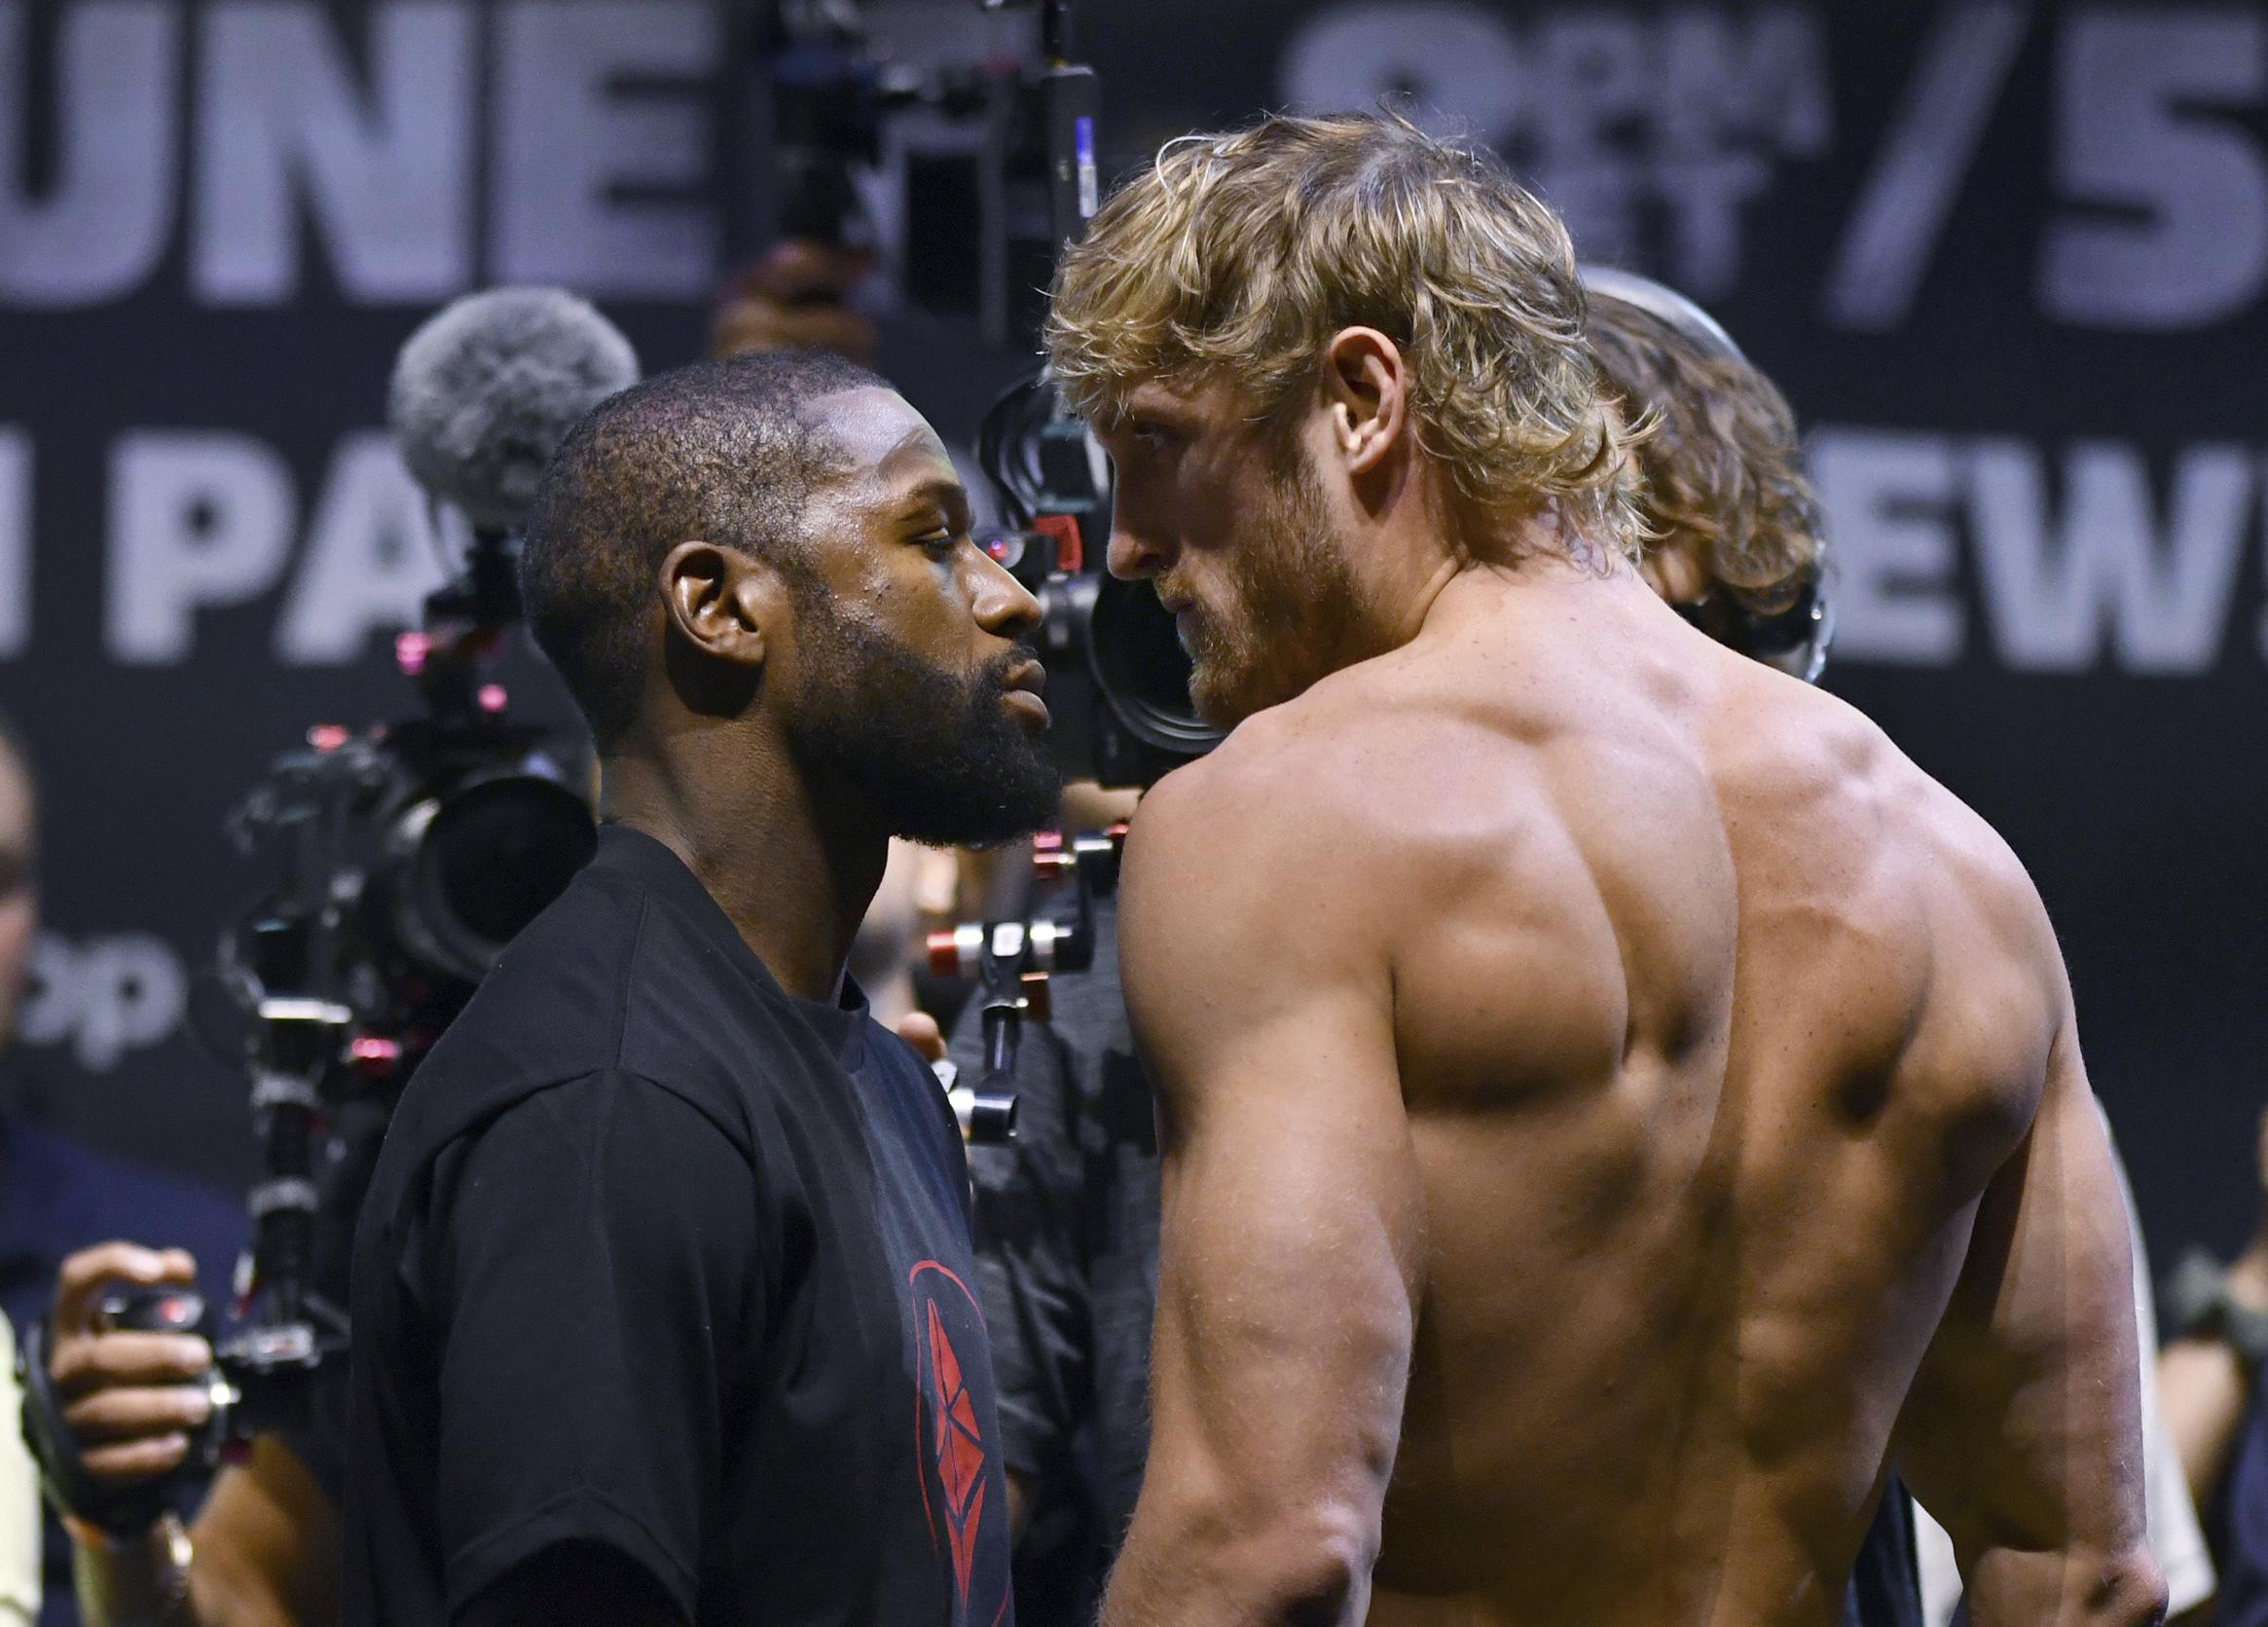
{"points": [[1294, 605]]}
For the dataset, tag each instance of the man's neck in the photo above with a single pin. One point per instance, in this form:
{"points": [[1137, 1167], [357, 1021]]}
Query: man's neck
{"points": [[1539, 583], [1413, 558], [795, 877]]}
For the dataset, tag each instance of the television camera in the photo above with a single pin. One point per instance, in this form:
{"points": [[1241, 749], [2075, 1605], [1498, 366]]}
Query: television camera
{"points": [[409, 855]]}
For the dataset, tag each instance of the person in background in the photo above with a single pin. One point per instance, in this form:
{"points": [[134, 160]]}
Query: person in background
{"points": [[19, 1502], [2208, 1388], [20, 1499], [60, 1199], [2219, 1336], [797, 296]]}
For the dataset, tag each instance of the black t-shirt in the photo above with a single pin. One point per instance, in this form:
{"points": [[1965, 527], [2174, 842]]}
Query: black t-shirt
{"points": [[661, 1258]]}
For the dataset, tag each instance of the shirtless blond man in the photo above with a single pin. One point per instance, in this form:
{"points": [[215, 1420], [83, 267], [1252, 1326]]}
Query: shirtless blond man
{"points": [[1609, 1098]]}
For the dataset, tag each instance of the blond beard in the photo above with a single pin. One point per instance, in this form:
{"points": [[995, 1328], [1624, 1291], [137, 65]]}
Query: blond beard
{"points": [[1295, 603]]}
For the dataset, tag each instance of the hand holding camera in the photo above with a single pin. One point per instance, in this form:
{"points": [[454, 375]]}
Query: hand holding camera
{"points": [[116, 1387]]}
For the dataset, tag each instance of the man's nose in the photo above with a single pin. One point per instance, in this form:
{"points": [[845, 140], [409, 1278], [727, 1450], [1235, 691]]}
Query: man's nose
{"points": [[1004, 606], [1133, 557]]}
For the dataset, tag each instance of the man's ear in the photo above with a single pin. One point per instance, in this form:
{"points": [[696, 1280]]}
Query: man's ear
{"points": [[1366, 391], [721, 602]]}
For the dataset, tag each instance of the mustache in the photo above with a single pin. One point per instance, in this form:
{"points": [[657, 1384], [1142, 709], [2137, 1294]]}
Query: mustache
{"points": [[992, 677]]}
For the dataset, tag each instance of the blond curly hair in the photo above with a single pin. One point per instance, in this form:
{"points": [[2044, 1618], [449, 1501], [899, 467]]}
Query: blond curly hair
{"points": [[1237, 256]]}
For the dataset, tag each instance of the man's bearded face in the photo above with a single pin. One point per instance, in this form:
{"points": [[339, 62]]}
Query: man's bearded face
{"points": [[938, 753], [1264, 616]]}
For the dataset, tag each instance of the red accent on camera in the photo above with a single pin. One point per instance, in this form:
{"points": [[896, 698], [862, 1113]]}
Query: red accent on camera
{"points": [[1070, 550], [375, 1053]]}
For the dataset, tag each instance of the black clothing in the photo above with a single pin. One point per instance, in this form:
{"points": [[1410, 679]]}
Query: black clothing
{"points": [[1066, 1221], [356, 1132], [1885, 1585], [2237, 1526], [661, 1258], [1067, 1268]]}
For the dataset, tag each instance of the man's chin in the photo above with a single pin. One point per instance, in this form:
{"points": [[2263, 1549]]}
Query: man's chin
{"points": [[1224, 697], [1007, 796]]}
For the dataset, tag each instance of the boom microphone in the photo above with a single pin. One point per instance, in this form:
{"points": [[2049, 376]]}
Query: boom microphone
{"points": [[485, 390]]}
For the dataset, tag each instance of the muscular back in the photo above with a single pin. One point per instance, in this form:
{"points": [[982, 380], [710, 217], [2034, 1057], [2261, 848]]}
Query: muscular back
{"points": [[1711, 1020]]}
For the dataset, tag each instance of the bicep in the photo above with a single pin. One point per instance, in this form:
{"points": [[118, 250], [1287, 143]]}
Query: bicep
{"points": [[1291, 1210]]}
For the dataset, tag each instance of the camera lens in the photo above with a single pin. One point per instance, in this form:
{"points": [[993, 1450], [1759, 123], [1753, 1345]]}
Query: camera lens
{"points": [[498, 853], [1006, 548], [1143, 670], [479, 861]]}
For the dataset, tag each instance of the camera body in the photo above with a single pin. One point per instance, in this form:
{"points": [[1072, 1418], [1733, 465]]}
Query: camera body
{"points": [[921, 128], [410, 854], [1123, 706]]}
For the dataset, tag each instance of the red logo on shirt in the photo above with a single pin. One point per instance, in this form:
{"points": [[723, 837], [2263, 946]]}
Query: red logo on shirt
{"points": [[960, 1450], [951, 1437]]}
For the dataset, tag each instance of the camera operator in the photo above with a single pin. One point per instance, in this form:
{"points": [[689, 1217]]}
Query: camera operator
{"points": [[2211, 1364], [19, 1506], [58, 1201], [2209, 1386], [263, 1550], [20, 1500]]}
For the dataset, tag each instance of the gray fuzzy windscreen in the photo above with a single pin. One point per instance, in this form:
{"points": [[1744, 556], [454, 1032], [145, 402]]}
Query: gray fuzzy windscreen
{"points": [[485, 391]]}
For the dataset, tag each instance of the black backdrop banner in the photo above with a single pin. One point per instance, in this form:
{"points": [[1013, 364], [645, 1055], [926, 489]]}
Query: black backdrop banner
{"points": [[2008, 260]]}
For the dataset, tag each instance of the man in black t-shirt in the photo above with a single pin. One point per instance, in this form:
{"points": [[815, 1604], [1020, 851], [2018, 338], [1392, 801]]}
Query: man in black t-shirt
{"points": [[662, 1296]]}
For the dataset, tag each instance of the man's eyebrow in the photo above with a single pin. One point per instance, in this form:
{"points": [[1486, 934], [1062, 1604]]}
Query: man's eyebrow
{"points": [[1168, 412], [938, 491]]}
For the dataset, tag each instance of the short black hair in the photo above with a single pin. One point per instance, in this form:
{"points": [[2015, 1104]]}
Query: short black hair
{"points": [[722, 449]]}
